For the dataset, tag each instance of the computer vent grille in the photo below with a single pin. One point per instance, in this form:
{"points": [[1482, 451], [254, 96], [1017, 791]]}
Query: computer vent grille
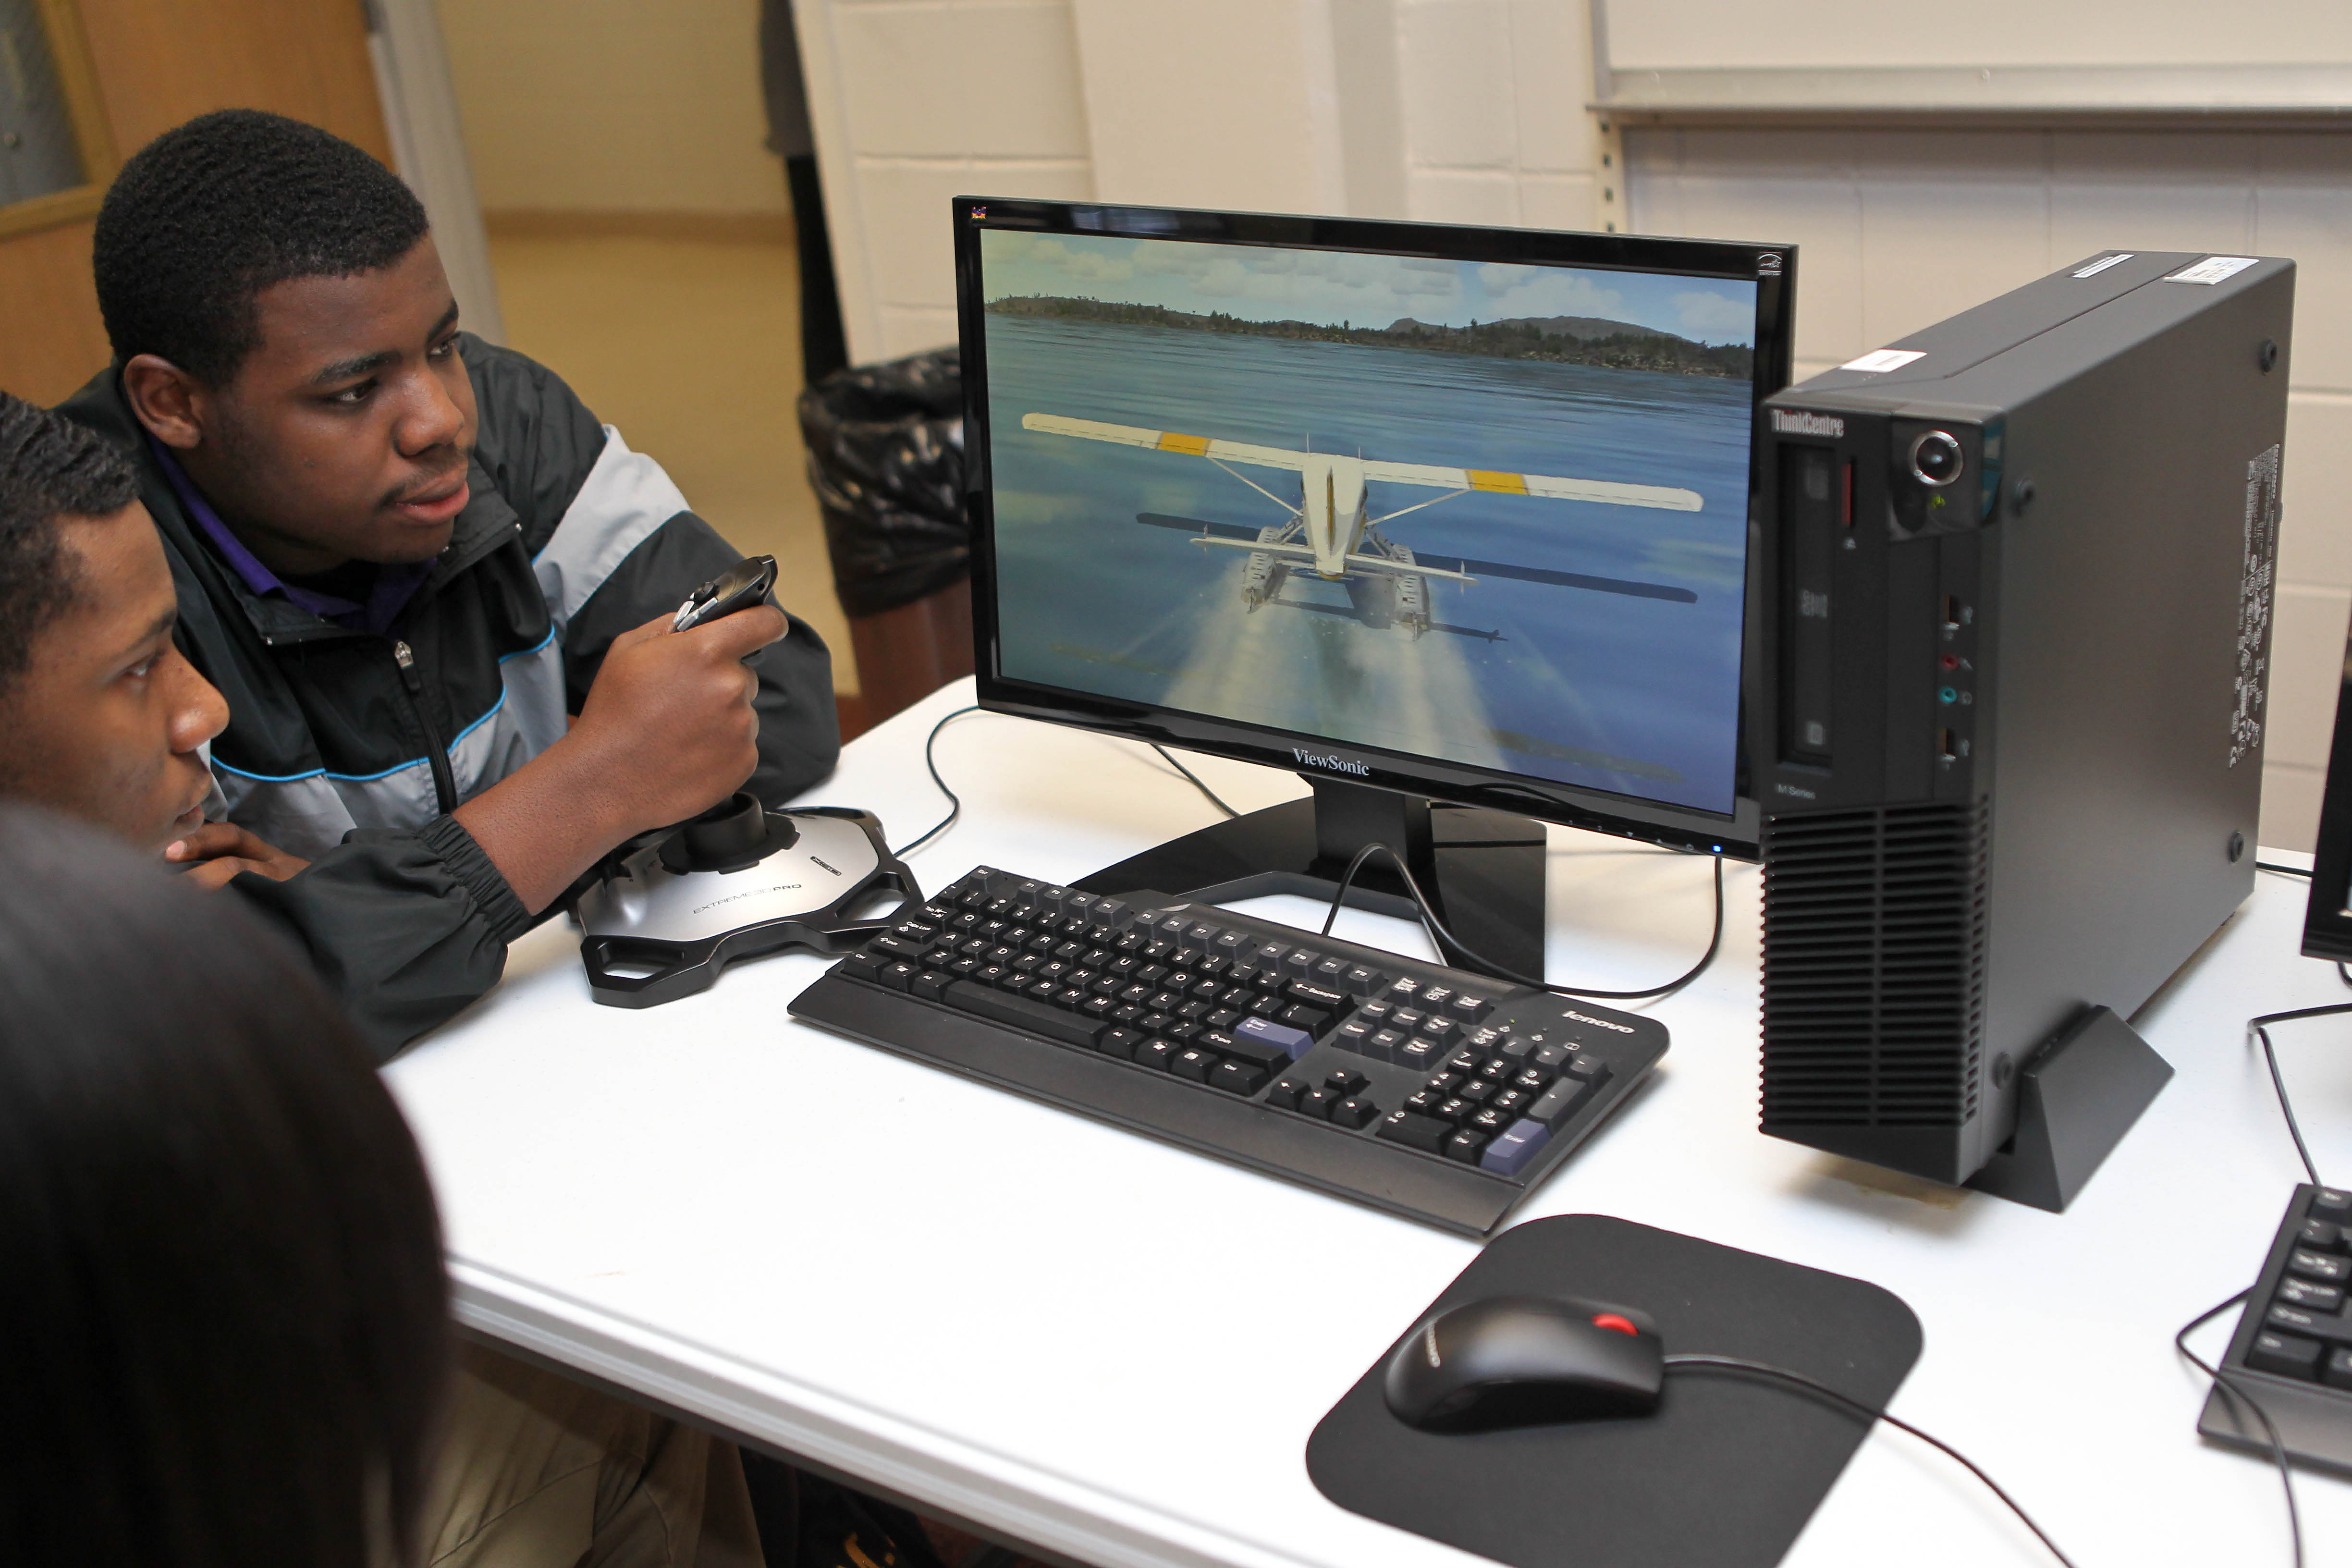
{"points": [[1873, 966]]}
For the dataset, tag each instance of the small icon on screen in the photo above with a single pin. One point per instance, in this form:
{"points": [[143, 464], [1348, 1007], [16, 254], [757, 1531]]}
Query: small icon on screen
{"points": [[978, 213]]}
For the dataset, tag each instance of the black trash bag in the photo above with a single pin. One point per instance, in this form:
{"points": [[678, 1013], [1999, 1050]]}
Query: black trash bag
{"points": [[886, 460]]}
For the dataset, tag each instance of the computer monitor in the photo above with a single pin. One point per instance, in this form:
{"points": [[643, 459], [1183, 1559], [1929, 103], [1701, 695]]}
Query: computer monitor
{"points": [[2327, 918], [1426, 513]]}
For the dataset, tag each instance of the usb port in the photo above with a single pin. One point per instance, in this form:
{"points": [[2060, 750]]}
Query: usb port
{"points": [[1946, 746], [1951, 612]]}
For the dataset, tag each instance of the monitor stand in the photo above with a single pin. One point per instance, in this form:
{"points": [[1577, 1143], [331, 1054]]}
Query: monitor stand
{"points": [[1484, 870]]}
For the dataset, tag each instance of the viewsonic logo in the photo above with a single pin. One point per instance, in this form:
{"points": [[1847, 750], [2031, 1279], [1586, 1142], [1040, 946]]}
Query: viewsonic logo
{"points": [[1336, 764]]}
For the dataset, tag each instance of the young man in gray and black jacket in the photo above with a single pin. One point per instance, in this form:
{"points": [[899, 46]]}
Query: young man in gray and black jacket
{"points": [[434, 591]]}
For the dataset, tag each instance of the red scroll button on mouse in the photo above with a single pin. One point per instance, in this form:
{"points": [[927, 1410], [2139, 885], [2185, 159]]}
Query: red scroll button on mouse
{"points": [[1612, 1320]]}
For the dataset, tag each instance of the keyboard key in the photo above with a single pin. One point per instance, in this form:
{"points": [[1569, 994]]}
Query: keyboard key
{"points": [[1185, 1029], [2284, 1354], [1352, 1036], [1383, 1044], [1534, 1080], [1466, 1146], [1551, 1055], [1588, 1065], [1456, 1109], [1293, 1042], [1469, 1009], [2337, 1372], [1415, 1132], [1354, 1111], [1516, 1149], [2332, 1204], [1558, 1103], [2324, 1326], [1192, 1062], [1346, 1082], [2310, 1265], [1286, 1092], [927, 985], [897, 976], [1317, 1102], [1434, 998], [1443, 1030], [1418, 1053], [2315, 1297], [1489, 1121], [2321, 1235], [1332, 973], [1237, 1076], [1514, 1100], [1022, 1013], [1119, 1042], [1407, 1018], [1157, 1052], [1321, 996], [898, 946], [1314, 1020], [1362, 981]]}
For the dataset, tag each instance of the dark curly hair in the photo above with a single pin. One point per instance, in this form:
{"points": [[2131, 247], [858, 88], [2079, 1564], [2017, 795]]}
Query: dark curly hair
{"points": [[49, 468], [208, 215]]}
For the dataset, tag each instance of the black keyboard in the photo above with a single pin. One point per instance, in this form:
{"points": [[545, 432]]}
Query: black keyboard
{"points": [[1432, 1092], [2292, 1350]]}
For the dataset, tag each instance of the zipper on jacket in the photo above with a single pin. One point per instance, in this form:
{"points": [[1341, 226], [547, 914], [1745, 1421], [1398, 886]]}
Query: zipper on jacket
{"points": [[445, 778]]}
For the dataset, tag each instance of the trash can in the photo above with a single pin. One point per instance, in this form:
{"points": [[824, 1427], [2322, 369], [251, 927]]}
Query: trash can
{"points": [[885, 459]]}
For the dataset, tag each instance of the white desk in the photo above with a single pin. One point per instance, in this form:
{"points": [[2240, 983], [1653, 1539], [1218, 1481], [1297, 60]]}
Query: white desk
{"points": [[1115, 1350]]}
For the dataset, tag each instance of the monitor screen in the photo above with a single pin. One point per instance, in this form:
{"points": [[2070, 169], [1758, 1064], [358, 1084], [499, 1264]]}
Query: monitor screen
{"points": [[1431, 503]]}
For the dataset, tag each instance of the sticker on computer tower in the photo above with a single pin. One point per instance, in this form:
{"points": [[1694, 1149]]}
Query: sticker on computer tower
{"points": [[2102, 263], [2260, 528], [2214, 269], [1879, 360]]}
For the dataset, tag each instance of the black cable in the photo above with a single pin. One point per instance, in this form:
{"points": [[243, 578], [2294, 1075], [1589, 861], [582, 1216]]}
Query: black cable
{"points": [[2283, 870], [955, 802], [1166, 757], [1758, 1369], [2259, 1028], [2233, 1391], [1446, 939]]}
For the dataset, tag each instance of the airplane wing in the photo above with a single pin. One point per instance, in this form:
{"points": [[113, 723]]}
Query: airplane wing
{"points": [[1601, 491], [1167, 441], [1195, 525], [1559, 579], [1452, 567]]}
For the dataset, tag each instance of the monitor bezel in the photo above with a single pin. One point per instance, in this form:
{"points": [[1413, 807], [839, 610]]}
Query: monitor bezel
{"points": [[1772, 267], [2326, 919]]}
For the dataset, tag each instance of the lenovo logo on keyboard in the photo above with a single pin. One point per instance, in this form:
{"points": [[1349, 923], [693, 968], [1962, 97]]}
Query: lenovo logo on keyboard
{"points": [[1571, 1014], [1337, 764]]}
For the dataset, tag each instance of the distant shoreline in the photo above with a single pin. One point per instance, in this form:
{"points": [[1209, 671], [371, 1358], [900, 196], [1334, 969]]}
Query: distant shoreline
{"points": [[1609, 345]]}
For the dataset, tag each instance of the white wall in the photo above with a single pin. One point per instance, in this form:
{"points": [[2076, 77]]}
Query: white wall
{"points": [[1473, 111], [1451, 111], [613, 106], [1896, 230]]}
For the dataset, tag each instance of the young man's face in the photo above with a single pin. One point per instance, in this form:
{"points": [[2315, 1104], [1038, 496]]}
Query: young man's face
{"points": [[105, 722], [344, 435]]}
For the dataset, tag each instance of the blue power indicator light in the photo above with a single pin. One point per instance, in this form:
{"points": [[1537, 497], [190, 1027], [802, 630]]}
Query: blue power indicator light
{"points": [[1947, 694]]}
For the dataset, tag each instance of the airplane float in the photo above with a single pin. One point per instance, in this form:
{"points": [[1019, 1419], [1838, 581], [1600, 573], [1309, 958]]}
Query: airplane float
{"points": [[1332, 535]]}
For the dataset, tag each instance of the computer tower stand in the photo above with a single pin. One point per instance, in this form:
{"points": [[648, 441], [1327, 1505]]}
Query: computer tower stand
{"points": [[1484, 870], [2080, 1094]]}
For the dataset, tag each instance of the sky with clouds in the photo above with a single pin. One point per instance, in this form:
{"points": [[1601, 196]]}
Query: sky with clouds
{"points": [[1264, 283]]}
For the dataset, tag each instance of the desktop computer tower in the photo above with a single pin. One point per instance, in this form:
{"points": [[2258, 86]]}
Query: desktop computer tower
{"points": [[2014, 627]]}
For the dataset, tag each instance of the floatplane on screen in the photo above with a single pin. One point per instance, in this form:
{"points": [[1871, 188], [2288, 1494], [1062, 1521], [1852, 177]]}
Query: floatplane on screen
{"points": [[1332, 535]]}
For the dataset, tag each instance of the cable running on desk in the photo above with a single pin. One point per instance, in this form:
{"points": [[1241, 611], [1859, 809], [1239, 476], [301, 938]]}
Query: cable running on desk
{"points": [[1444, 938], [1703, 1362]]}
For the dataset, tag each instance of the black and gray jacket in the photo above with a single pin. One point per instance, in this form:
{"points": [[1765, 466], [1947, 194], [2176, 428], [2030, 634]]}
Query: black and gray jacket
{"points": [[351, 749]]}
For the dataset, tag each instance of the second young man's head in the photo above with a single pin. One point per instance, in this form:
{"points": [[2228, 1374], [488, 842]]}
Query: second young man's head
{"points": [[284, 328], [104, 719]]}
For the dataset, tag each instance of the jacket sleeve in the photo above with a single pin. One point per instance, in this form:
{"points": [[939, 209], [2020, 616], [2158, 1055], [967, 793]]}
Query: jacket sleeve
{"points": [[613, 545], [799, 730], [407, 928]]}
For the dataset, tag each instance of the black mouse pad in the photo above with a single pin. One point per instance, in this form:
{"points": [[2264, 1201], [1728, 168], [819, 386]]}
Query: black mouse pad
{"points": [[1724, 1474]]}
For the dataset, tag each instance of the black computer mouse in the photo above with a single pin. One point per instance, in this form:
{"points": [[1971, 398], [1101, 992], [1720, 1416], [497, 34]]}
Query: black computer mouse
{"points": [[1521, 1361]]}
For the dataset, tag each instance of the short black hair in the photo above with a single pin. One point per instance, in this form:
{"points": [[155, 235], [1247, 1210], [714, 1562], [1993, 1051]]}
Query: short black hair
{"points": [[226, 1313], [49, 468], [208, 215]]}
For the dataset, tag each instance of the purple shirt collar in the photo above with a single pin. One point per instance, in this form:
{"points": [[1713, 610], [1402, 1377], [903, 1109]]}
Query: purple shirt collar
{"points": [[395, 585]]}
